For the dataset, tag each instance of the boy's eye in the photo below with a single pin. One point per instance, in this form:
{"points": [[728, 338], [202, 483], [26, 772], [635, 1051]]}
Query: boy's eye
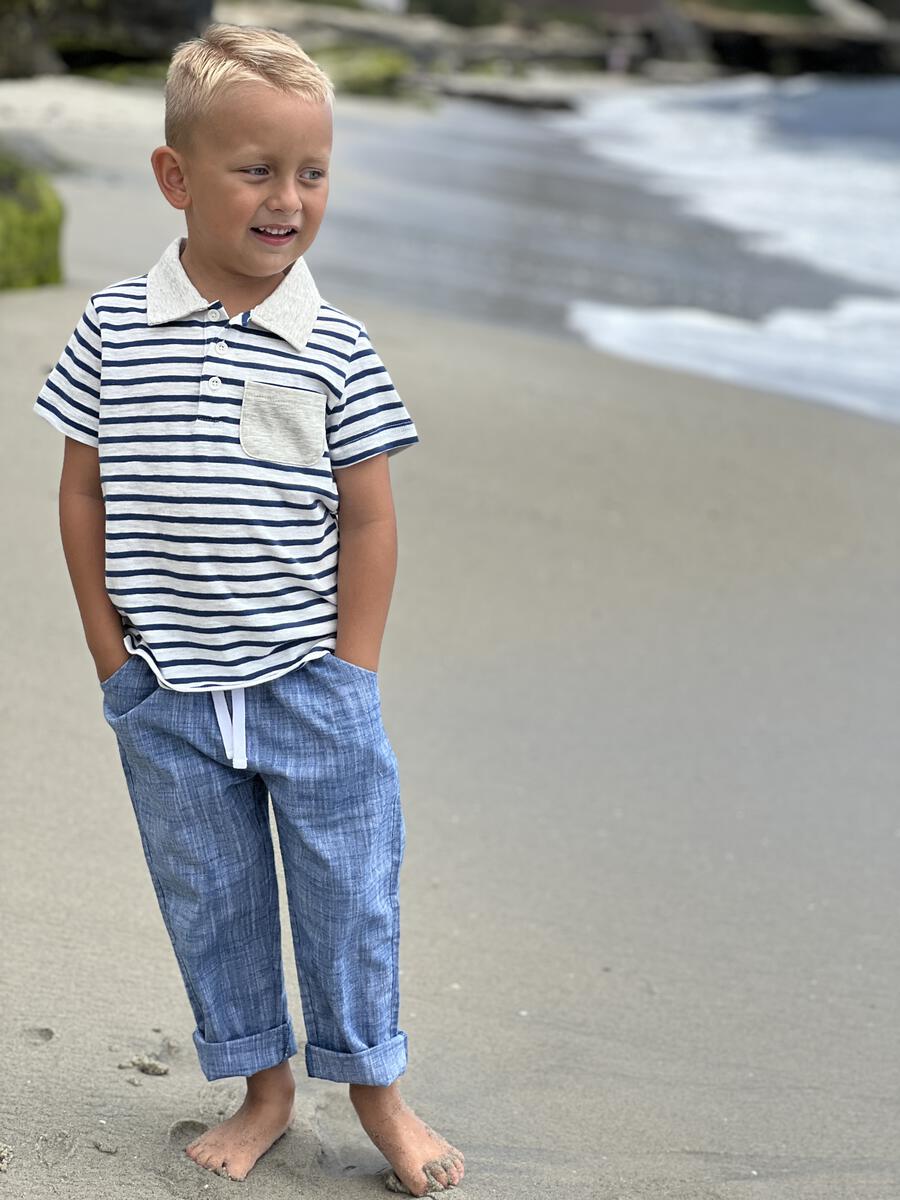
{"points": [[316, 172]]}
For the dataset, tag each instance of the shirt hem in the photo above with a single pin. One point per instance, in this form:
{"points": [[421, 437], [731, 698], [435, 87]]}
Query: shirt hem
{"points": [[225, 685]]}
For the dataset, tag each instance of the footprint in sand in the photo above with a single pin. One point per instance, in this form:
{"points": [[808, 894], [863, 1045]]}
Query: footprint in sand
{"points": [[183, 1132], [54, 1148], [36, 1034]]}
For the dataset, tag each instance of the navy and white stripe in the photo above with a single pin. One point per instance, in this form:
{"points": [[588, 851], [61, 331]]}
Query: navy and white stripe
{"points": [[223, 566]]}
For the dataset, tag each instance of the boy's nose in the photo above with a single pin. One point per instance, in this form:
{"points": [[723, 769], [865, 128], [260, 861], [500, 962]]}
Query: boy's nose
{"points": [[285, 204]]}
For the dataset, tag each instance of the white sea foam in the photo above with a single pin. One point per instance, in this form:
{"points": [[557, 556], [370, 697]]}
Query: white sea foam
{"points": [[728, 151], [849, 356]]}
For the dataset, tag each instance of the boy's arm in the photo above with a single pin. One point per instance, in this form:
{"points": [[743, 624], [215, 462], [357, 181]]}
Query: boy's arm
{"points": [[367, 559], [82, 520]]}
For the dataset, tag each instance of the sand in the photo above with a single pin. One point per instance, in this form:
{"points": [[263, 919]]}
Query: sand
{"points": [[642, 676]]}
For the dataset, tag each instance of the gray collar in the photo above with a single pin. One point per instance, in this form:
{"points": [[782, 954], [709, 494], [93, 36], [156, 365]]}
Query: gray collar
{"points": [[290, 311]]}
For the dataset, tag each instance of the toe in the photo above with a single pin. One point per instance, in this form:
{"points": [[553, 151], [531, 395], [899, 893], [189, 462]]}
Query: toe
{"points": [[435, 1174], [394, 1183], [424, 1186], [448, 1162]]}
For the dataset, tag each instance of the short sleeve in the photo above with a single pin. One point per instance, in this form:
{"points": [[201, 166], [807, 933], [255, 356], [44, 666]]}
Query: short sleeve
{"points": [[70, 397], [369, 417]]}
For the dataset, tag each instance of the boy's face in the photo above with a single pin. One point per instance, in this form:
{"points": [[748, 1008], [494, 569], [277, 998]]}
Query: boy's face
{"points": [[259, 157]]}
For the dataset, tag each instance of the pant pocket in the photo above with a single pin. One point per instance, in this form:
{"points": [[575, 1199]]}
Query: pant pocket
{"points": [[344, 664], [126, 666], [130, 686]]}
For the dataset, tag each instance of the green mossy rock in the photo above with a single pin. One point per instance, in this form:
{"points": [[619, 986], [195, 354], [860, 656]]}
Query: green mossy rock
{"points": [[365, 70], [31, 216]]}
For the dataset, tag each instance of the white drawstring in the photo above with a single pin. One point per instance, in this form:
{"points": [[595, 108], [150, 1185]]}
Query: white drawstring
{"points": [[234, 736]]}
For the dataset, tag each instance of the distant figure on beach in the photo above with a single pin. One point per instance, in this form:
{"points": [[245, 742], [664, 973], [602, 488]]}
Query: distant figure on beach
{"points": [[227, 436]]}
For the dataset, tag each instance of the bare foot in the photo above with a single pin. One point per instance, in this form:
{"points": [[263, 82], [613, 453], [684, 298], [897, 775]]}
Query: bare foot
{"points": [[423, 1162], [232, 1148]]}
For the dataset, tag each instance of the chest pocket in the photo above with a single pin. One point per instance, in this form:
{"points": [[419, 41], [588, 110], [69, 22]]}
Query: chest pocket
{"points": [[282, 424]]}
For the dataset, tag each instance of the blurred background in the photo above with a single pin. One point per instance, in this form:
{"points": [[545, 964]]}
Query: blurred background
{"points": [[633, 266], [709, 185]]}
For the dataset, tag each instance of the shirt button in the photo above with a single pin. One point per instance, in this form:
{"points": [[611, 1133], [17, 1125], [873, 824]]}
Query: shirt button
{"points": [[220, 347], [215, 382], [215, 314]]}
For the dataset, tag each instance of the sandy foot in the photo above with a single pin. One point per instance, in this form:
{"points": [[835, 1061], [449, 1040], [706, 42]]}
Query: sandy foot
{"points": [[422, 1161], [233, 1148]]}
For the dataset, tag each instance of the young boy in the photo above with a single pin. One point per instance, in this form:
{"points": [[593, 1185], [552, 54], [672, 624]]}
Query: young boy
{"points": [[222, 422]]}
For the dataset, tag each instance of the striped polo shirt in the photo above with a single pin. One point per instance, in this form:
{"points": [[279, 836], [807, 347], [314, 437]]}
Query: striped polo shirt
{"points": [[217, 440]]}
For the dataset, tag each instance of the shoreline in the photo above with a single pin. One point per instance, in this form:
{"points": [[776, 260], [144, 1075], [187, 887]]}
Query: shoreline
{"points": [[554, 236]]}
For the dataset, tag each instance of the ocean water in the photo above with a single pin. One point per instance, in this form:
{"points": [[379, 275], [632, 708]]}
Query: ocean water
{"points": [[803, 170], [743, 227]]}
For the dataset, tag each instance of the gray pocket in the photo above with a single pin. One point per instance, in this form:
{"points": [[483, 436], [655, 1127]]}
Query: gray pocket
{"points": [[283, 425]]}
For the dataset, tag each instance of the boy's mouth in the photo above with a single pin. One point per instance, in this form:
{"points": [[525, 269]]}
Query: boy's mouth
{"points": [[274, 235]]}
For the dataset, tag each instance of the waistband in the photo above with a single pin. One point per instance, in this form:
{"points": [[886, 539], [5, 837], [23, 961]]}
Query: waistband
{"points": [[233, 730]]}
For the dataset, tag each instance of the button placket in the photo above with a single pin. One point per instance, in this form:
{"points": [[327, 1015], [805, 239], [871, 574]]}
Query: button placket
{"points": [[207, 409]]}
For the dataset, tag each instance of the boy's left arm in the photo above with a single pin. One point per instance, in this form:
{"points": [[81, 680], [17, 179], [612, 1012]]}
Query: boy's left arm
{"points": [[367, 559]]}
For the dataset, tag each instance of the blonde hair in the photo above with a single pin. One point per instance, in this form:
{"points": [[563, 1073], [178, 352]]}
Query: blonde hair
{"points": [[227, 54]]}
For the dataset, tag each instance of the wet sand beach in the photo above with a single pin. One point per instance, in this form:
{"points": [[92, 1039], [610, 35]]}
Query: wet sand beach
{"points": [[642, 676]]}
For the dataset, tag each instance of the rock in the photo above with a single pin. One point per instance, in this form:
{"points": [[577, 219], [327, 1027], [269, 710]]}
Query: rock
{"points": [[146, 1064], [75, 33], [31, 216]]}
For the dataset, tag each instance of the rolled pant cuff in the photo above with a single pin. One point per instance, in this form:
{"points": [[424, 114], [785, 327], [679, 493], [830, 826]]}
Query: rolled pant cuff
{"points": [[379, 1065], [245, 1056]]}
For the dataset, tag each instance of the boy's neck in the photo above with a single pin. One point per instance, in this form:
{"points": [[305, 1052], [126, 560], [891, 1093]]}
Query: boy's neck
{"points": [[232, 300]]}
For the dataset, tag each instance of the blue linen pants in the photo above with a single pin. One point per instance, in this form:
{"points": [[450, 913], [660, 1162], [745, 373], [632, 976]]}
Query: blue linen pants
{"points": [[313, 740]]}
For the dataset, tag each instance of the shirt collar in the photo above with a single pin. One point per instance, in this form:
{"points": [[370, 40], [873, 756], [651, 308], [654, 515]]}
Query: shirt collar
{"points": [[290, 311]]}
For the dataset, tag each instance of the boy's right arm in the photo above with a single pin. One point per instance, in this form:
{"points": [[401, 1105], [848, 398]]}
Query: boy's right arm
{"points": [[82, 523]]}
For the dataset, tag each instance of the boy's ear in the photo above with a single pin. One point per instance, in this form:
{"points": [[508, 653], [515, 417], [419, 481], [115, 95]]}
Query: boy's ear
{"points": [[167, 167]]}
